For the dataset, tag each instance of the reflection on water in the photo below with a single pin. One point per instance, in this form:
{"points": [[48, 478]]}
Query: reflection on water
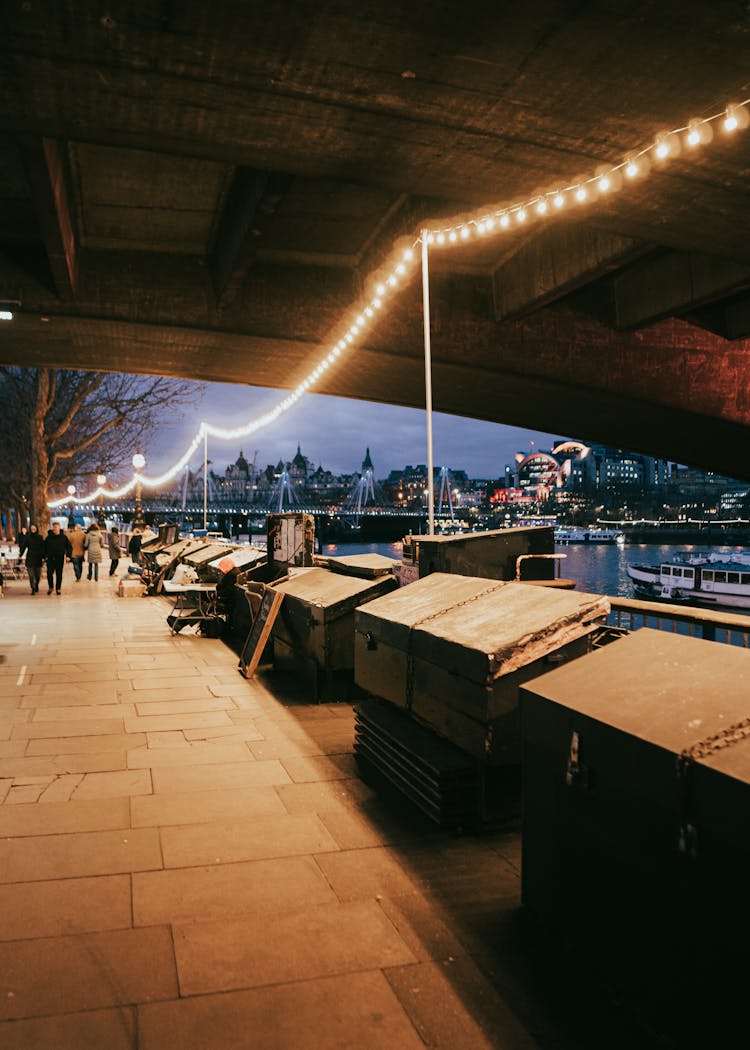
{"points": [[599, 568]]}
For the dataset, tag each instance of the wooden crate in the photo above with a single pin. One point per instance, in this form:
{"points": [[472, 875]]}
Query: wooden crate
{"points": [[644, 860], [314, 632], [491, 554], [453, 650]]}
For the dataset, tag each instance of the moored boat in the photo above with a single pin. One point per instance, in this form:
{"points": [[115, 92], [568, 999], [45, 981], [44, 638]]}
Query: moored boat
{"points": [[588, 534], [709, 580]]}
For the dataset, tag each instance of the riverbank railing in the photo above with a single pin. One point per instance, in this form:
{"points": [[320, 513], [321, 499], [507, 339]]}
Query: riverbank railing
{"points": [[714, 626]]}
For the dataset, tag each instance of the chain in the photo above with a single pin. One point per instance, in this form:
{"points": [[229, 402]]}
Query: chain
{"points": [[459, 605], [426, 619], [711, 744]]}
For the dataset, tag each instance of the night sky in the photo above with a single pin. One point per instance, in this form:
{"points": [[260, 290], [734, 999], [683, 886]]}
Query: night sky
{"points": [[334, 432]]}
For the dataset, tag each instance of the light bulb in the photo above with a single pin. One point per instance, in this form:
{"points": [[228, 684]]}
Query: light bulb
{"points": [[581, 193], [693, 137], [441, 238], [662, 149], [521, 215], [490, 223], [541, 207], [453, 236], [408, 255], [505, 220], [465, 232], [430, 238], [603, 184], [558, 200], [380, 289], [401, 269], [631, 170], [480, 227]]}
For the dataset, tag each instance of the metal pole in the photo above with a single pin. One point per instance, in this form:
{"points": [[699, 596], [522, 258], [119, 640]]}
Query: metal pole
{"points": [[205, 479], [428, 385]]}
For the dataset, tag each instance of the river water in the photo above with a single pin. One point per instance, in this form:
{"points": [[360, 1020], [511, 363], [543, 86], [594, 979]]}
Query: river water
{"points": [[599, 569]]}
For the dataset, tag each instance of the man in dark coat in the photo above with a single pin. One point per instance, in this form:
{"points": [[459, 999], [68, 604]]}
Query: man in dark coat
{"points": [[56, 549], [33, 545]]}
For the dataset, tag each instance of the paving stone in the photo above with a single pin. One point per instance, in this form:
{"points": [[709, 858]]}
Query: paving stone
{"points": [[12, 748], [236, 774], [114, 1029], [64, 974], [6, 785], [309, 769], [127, 694], [79, 853], [222, 843], [282, 748], [43, 765], [61, 788], [63, 817], [180, 707], [21, 794], [322, 797], [116, 784], [78, 697], [101, 726], [195, 754], [296, 945], [365, 873], [424, 925], [77, 713], [215, 733], [198, 807], [258, 888], [168, 738], [452, 1004], [155, 723], [63, 906], [78, 745], [367, 1016]]}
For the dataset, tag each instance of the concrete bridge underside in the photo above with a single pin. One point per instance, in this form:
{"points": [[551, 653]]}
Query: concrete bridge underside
{"points": [[207, 194]]}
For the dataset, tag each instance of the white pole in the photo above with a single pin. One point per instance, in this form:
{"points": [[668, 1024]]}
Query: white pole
{"points": [[205, 479], [428, 384]]}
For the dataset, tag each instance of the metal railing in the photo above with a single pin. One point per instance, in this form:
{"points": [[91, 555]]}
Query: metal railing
{"points": [[732, 628]]}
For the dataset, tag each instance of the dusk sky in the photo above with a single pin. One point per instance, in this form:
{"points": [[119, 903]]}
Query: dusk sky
{"points": [[334, 433]]}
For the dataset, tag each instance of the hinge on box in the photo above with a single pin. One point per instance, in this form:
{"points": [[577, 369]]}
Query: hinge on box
{"points": [[576, 773]]}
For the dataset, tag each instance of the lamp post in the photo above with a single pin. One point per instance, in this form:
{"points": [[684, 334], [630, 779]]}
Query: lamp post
{"points": [[71, 519], [139, 462], [101, 480]]}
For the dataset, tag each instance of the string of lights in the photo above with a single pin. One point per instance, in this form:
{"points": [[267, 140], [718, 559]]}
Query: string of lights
{"points": [[401, 264]]}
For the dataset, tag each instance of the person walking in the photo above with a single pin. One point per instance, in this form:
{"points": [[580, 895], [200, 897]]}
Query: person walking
{"points": [[77, 539], [113, 539], [134, 547], [33, 546], [94, 542], [56, 549]]}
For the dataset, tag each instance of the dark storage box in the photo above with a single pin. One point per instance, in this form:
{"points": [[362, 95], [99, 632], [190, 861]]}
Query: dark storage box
{"points": [[314, 632], [643, 860], [454, 649], [491, 555]]}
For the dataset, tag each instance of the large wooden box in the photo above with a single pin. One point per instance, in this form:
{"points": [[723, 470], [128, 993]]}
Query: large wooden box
{"points": [[641, 857], [314, 632], [453, 650], [493, 555]]}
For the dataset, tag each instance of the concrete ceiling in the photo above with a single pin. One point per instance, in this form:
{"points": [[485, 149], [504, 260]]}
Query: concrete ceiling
{"points": [[205, 191]]}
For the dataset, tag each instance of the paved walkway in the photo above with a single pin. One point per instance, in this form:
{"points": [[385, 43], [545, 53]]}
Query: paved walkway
{"points": [[188, 860]]}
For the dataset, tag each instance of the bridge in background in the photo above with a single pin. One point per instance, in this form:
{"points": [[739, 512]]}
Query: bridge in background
{"points": [[206, 194]]}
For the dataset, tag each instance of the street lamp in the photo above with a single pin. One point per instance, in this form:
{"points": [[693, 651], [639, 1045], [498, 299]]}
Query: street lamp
{"points": [[101, 480], [71, 519], [139, 462]]}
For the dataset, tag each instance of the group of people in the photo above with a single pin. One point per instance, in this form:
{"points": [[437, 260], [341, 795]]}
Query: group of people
{"points": [[73, 546]]}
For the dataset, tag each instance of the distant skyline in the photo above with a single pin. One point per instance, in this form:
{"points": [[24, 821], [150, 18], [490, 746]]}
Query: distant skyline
{"points": [[334, 432]]}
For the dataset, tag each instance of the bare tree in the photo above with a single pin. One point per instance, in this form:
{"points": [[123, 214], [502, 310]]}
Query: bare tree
{"points": [[57, 426]]}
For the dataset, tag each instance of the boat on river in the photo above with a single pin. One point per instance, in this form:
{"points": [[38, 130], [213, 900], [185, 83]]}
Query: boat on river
{"points": [[706, 579], [564, 534]]}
